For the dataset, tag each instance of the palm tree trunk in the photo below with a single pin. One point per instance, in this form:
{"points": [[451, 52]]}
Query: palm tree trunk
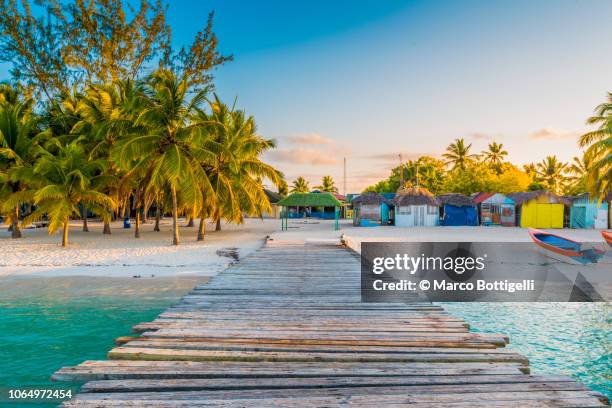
{"points": [[190, 222], [107, 229], [137, 226], [85, 226], [175, 226], [144, 216], [65, 234], [202, 229], [157, 217], [15, 231]]}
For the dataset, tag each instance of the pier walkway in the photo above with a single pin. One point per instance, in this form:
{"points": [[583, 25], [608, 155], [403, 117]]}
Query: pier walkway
{"points": [[285, 327]]}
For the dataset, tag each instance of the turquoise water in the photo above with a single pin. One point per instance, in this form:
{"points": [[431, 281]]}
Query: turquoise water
{"points": [[563, 338], [46, 331]]}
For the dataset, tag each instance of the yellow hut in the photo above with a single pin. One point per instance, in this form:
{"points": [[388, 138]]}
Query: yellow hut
{"points": [[539, 209]]}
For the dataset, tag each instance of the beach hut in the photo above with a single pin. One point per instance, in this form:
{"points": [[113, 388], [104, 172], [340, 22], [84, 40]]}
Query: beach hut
{"points": [[416, 207], [370, 209], [457, 210], [588, 213], [495, 209], [303, 204], [274, 198], [539, 209]]}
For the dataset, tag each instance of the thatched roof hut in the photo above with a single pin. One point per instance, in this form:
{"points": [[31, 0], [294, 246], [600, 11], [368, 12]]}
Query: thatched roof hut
{"points": [[370, 198], [457, 200], [415, 196]]}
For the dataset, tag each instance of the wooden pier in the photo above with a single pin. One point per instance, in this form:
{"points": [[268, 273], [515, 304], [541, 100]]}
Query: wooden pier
{"points": [[285, 328]]}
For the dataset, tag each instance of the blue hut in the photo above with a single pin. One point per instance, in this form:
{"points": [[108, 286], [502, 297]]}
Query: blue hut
{"points": [[370, 209], [587, 213], [458, 209]]}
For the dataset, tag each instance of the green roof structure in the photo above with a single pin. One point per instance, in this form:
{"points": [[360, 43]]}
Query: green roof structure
{"points": [[310, 200]]}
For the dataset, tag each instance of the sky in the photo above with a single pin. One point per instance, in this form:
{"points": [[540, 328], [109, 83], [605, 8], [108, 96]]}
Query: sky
{"points": [[366, 80]]}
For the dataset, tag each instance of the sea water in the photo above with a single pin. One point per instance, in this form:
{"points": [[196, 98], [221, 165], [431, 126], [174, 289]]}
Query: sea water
{"points": [[48, 324], [572, 339]]}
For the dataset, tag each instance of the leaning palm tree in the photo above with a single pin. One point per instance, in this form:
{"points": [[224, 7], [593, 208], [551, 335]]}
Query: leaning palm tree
{"points": [[328, 185], [551, 172], [167, 147], [598, 145], [495, 155], [300, 185], [458, 154], [236, 171], [19, 146], [65, 184]]}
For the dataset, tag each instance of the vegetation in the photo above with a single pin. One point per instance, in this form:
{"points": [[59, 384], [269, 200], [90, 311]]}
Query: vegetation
{"points": [[328, 185], [113, 134], [300, 185]]}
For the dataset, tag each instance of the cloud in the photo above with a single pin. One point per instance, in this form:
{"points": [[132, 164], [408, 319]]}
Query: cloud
{"points": [[303, 156], [552, 134], [310, 139], [479, 136]]}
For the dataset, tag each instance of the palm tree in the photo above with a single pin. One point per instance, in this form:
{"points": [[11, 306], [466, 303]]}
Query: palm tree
{"points": [[106, 113], [66, 183], [551, 172], [328, 185], [19, 146], [300, 185], [495, 155], [167, 149], [236, 171], [458, 154], [598, 145], [283, 188]]}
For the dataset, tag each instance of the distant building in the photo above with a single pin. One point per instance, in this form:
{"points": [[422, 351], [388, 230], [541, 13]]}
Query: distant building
{"points": [[416, 207], [458, 209], [540, 209], [495, 209], [588, 213], [370, 209]]}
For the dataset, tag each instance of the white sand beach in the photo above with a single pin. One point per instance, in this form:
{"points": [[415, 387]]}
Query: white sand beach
{"points": [[121, 255]]}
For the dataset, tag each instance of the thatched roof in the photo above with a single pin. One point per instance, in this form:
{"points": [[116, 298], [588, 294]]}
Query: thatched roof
{"points": [[456, 199], [415, 196], [522, 197], [272, 196], [369, 199], [310, 200]]}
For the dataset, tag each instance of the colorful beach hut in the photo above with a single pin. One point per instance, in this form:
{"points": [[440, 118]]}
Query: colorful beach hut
{"points": [[370, 209], [588, 213], [416, 207], [457, 210], [539, 209], [495, 209], [303, 204]]}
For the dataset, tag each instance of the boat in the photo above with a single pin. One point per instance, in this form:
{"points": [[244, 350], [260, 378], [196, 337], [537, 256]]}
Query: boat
{"points": [[565, 249], [607, 235]]}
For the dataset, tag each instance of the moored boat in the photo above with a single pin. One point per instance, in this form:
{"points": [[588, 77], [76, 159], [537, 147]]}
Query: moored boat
{"points": [[607, 235], [565, 249]]}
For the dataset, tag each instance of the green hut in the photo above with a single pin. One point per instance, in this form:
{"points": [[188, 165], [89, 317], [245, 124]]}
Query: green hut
{"points": [[299, 205]]}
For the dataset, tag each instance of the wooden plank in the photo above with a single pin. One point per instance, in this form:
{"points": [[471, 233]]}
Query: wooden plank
{"points": [[125, 369]]}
